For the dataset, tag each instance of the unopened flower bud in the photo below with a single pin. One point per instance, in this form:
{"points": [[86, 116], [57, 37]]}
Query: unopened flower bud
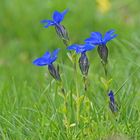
{"points": [[62, 33], [103, 53], [112, 104], [84, 64], [54, 72]]}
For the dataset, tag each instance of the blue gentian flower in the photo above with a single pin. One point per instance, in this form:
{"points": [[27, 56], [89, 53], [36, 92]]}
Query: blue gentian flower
{"points": [[48, 59], [112, 104], [57, 18], [83, 60], [81, 48], [97, 39]]}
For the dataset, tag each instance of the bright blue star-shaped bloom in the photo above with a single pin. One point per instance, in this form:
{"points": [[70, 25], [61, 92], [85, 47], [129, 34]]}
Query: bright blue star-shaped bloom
{"points": [[57, 18], [97, 38], [47, 59], [81, 48]]}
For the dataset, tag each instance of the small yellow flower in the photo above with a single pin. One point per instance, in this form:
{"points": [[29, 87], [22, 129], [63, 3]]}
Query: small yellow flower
{"points": [[104, 5]]}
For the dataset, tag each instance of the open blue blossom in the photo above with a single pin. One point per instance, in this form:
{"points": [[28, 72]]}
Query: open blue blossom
{"points": [[57, 18], [61, 31], [81, 48], [83, 60], [97, 38], [48, 59], [112, 104]]}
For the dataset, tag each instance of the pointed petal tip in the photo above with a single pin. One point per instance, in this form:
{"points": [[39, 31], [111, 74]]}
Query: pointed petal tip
{"points": [[44, 21], [111, 93], [57, 50], [65, 11], [35, 62]]}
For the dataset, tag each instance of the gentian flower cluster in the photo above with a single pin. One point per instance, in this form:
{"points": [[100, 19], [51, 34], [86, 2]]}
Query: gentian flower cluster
{"points": [[56, 22], [112, 104], [48, 59], [83, 60], [97, 39]]}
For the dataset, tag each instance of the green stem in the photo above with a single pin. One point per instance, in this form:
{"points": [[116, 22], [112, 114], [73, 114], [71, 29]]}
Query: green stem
{"points": [[77, 92], [61, 87], [85, 82], [105, 69]]}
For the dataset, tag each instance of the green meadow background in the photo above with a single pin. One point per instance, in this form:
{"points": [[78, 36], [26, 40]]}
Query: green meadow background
{"points": [[28, 109]]}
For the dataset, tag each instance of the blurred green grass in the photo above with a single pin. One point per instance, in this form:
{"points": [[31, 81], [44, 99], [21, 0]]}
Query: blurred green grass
{"points": [[27, 110]]}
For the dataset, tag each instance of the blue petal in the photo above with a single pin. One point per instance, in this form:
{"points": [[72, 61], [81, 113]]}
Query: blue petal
{"points": [[96, 38], [109, 32], [54, 55], [46, 59], [89, 47], [81, 48], [58, 17], [84, 48], [109, 35], [110, 93], [92, 40], [40, 61], [77, 48], [96, 35], [64, 12], [47, 55], [72, 47], [49, 23]]}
